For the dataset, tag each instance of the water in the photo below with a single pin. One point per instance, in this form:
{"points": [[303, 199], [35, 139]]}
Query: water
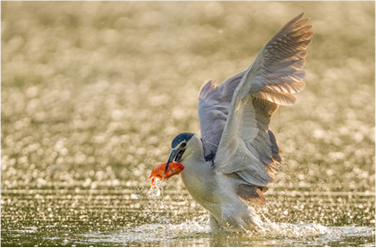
{"points": [[92, 94], [124, 216]]}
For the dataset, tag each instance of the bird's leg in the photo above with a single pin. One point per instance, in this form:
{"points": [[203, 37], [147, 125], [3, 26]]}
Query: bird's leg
{"points": [[233, 222], [240, 219], [214, 224], [251, 219]]}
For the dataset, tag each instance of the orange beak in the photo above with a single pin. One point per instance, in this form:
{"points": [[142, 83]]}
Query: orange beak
{"points": [[173, 169]]}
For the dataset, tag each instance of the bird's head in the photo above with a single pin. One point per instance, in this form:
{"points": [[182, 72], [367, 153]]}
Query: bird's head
{"points": [[182, 146]]}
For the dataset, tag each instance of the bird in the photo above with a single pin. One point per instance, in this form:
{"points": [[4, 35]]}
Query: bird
{"points": [[236, 159]]}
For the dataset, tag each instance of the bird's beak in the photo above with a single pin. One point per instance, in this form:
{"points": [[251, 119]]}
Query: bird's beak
{"points": [[174, 153]]}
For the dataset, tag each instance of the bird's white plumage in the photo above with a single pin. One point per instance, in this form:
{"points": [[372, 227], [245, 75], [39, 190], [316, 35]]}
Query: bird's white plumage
{"points": [[234, 119]]}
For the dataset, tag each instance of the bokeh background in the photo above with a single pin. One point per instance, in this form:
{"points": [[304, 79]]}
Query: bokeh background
{"points": [[98, 90], [92, 93]]}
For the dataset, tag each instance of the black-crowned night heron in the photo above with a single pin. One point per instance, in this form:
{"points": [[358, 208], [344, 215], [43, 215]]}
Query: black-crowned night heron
{"points": [[236, 158]]}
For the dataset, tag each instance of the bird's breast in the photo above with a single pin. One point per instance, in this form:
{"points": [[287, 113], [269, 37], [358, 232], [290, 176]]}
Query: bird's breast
{"points": [[200, 183]]}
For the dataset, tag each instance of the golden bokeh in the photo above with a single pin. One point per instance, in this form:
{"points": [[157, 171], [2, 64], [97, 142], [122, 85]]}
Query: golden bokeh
{"points": [[97, 90]]}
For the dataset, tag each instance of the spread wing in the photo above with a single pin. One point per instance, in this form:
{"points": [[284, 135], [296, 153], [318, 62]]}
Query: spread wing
{"points": [[247, 147], [213, 107]]}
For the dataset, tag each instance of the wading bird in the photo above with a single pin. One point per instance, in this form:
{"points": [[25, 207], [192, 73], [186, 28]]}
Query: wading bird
{"points": [[236, 158]]}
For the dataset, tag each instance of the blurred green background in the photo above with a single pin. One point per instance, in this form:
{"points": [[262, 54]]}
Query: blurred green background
{"points": [[94, 92]]}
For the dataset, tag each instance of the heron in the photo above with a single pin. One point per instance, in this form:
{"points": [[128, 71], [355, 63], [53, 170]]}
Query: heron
{"points": [[236, 159]]}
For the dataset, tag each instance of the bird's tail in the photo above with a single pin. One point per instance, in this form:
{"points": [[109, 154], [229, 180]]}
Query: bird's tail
{"points": [[251, 193]]}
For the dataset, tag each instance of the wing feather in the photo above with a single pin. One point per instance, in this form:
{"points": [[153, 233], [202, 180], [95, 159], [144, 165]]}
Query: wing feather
{"points": [[247, 147], [213, 106]]}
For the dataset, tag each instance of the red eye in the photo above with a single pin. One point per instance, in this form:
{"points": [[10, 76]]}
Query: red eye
{"points": [[183, 145]]}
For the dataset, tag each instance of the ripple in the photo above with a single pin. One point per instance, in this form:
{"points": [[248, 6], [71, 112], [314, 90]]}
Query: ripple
{"points": [[278, 234]]}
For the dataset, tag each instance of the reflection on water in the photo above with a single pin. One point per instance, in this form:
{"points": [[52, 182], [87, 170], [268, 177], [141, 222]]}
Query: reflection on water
{"points": [[194, 234], [124, 216]]}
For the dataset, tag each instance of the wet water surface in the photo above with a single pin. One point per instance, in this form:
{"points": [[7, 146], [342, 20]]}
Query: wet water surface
{"points": [[124, 216]]}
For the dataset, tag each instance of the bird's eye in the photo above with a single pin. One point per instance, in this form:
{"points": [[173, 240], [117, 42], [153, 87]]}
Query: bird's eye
{"points": [[183, 145]]}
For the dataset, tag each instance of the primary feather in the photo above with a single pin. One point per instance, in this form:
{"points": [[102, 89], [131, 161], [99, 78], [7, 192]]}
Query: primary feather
{"points": [[235, 116]]}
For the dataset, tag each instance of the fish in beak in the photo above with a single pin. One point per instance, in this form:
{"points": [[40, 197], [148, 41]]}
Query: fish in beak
{"points": [[160, 172], [176, 155], [172, 166]]}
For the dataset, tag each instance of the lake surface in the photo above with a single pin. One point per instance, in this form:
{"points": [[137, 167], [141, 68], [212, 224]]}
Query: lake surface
{"points": [[92, 94], [122, 215]]}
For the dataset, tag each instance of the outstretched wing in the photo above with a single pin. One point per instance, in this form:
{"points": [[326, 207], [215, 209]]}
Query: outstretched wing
{"points": [[213, 107], [247, 147]]}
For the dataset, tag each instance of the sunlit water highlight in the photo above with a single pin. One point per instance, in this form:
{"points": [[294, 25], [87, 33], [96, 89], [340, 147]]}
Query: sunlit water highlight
{"points": [[126, 216], [278, 234]]}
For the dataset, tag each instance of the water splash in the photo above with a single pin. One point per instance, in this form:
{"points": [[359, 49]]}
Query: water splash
{"points": [[151, 233], [273, 229], [154, 188], [276, 230], [270, 234]]}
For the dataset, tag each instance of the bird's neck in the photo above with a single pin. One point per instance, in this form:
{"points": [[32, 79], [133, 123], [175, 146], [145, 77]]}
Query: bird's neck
{"points": [[196, 153], [198, 179], [194, 161], [196, 168]]}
